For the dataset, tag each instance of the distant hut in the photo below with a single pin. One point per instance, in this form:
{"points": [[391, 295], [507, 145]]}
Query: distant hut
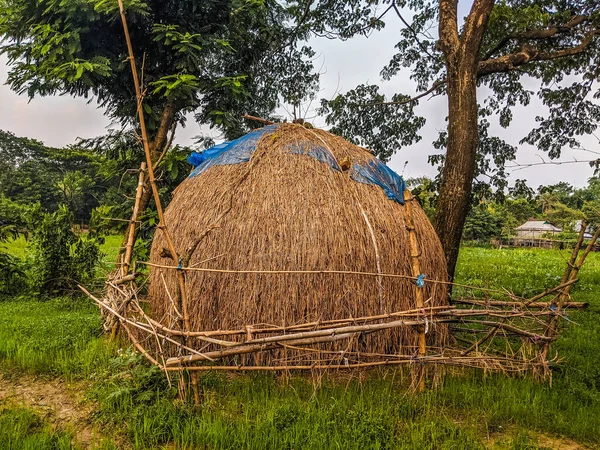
{"points": [[535, 229], [289, 198], [535, 233]]}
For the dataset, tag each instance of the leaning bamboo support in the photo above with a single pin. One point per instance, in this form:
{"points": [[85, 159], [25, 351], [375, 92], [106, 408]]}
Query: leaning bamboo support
{"points": [[140, 326], [559, 301], [161, 219], [133, 223], [416, 272], [497, 363]]}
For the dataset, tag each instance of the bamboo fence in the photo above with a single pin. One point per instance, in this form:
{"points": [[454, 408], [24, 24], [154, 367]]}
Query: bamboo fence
{"points": [[499, 332]]}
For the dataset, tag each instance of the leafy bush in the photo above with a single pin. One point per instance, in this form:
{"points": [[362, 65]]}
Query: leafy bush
{"points": [[12, 275], [61, 259]]}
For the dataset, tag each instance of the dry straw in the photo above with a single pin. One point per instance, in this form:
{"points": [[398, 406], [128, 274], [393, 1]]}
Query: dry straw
{"points": [[285, 211]]}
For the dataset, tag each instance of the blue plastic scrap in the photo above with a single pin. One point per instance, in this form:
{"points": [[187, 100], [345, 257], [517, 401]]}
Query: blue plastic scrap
{"points": [[316, 151], [376, 172], [240, 150], [233, 152]]}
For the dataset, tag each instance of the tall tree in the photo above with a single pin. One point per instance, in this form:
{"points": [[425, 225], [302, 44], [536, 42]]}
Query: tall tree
{"points": [[217, 59], [507, 47]]}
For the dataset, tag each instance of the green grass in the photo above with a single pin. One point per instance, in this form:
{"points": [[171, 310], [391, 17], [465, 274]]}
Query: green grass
{"points": [[110, 248], [17, 247], [525, 271], [23, 429], [58, 337], [264, 411]]}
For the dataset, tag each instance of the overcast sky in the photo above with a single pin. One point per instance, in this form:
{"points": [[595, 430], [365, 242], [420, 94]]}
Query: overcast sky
{"points": [[59, 120]]}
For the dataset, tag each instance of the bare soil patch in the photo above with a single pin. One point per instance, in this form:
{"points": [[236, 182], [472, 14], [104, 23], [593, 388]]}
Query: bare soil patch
{"points": [[59, 402]]}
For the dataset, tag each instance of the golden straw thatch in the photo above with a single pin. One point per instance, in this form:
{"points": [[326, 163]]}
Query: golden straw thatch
{"points": [[284, 211]]}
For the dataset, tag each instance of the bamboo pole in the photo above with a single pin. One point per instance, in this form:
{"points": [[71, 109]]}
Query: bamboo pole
{"points": [[161, 220], [571, 274], [535, 305], [419, 372], [506, 364], [133, 222]]}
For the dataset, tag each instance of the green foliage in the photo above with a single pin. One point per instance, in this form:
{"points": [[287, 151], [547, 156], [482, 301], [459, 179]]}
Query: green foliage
{"points": [[563, 217], [493, 217], [560, 70], [23, 429], [425, 190], [78, 48], [61, 259], [360, 117], [33, 173], [13, 279], [13, 220], [482, 224]]}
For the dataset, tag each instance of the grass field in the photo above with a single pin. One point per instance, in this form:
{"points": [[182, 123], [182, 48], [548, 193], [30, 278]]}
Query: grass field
{"points": [[135, 408]]}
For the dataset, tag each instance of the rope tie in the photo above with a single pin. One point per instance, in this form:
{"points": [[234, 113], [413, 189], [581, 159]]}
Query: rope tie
{"points": [[420, 280]]}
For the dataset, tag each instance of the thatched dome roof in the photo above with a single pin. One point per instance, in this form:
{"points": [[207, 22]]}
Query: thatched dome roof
{"points": [[288, 198]]}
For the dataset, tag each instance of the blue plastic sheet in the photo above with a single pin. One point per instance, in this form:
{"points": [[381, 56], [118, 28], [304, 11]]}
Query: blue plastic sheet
{"points": [[316, 151], [376, 172], [233, 152], [241, 150]]}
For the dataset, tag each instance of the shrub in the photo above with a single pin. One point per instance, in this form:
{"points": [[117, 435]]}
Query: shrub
{"points": [[61, 259]]}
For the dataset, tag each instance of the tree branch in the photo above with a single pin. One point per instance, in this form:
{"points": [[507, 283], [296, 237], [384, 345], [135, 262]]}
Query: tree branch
{"points": [[411, 29], [474, 28], [539, 34], [507, 63], [449, 39], [435, 85], [168, 146]]}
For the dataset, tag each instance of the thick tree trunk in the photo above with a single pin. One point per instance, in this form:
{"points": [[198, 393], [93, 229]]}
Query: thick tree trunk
{"points": [[459, 168], [461, 52]]}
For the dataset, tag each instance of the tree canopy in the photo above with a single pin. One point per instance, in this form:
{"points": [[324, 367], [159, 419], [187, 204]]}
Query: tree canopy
{"points": [[511, 50], [218, 59]]}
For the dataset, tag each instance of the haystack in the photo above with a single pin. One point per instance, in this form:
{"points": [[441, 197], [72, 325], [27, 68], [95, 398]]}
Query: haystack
{"points": [[289, 198]]}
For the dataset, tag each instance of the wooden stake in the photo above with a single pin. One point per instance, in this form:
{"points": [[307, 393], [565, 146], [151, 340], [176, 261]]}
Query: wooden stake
{"points": [[416, 272], [161, 220], [133, 222], [559, 301]]}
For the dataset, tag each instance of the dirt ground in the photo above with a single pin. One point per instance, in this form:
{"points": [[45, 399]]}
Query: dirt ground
{"points": [[500, 441], [63, 405], [60, 403]]}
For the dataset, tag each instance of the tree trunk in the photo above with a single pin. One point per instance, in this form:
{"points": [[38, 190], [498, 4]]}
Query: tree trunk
{"points": [[461, 52], [459, 168]]}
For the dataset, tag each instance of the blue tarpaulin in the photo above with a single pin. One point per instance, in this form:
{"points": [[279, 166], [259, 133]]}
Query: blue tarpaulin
{"points": [[233, 152], [241, 150], [316, 151], [376, 172]]}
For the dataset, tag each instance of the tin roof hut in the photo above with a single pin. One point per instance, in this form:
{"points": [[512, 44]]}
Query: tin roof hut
{"points": [[536, 229], [284, 200]]}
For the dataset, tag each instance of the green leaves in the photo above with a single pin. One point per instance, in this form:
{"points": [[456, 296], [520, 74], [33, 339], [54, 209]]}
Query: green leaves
{"points": [[176, 86], [221, 55], [111, 7], [233, 84], [362, 117]]}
